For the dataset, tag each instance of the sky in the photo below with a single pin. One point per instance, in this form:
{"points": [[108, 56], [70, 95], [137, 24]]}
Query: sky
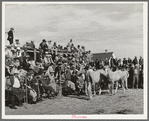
{"points": [[115, 27]]}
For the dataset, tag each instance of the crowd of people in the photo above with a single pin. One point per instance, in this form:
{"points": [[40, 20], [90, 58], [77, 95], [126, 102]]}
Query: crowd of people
{"points": [[55, 68]]}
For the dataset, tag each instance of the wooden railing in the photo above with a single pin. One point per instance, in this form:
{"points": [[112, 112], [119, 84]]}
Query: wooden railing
{"points": [[35, 50]]}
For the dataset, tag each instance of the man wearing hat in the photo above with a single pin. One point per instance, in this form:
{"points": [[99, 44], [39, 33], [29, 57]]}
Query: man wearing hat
{"points": [[50, 46], [135, 60], [68, 78], [10, 36], [34, 83], [135, 76], [16, 44], [16, 90], [32, 44], [50, 74], [43, 46], [48, 58], [25, 63]]}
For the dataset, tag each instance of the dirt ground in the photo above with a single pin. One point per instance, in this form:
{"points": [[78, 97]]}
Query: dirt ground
{"points": [[130, 102]]}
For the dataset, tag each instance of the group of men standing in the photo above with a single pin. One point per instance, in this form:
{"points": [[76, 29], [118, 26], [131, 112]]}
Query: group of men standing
{"points": [[134, 67]]}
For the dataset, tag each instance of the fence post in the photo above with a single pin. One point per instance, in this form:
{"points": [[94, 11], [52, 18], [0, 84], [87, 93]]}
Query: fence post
{"points": [[60, 88], [34, 54]]}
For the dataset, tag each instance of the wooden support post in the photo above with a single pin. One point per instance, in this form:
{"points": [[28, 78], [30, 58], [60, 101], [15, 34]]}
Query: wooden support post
{"points": [[60, 88], [35, 54]]}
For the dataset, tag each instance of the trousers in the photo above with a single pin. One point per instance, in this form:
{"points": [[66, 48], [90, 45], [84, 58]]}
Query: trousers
{"points": [[135, 80]]}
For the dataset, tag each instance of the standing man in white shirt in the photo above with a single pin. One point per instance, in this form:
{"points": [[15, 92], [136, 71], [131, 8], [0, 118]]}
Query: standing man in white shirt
{"points": [[16, 91], [50, 46]]}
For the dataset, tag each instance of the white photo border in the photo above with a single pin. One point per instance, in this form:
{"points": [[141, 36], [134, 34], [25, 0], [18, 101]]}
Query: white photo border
{"points": [[117, 116]]}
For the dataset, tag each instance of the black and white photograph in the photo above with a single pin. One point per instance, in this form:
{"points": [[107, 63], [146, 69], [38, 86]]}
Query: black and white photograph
{"points": [[74, 60]]}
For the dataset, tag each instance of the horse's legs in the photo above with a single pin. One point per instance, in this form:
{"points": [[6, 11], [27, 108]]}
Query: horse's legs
{"points": [[123, 85], [112, 87], [116, 87], [126, 81], [99, 90], [109, 88], [94, 93]]}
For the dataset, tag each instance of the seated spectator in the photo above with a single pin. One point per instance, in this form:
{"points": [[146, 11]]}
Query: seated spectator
{"points": [[10, 52], [16, 44], [53, 81], [27, 45], [48, 59], [18, 52], [26, 63], [48, 88], [34, 83], [68, 79], [31, 62]]}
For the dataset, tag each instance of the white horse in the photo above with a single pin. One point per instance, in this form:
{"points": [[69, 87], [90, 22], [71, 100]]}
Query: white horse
{"points": [[93, 78], [115, 77]]}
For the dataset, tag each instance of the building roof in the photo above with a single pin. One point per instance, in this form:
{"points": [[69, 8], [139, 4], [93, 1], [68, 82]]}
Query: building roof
{"points": [[102, 56]]}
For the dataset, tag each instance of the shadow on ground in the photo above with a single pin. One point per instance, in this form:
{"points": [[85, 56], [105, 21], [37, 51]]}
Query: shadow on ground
{"points": [[78, 97], [125, 111]]}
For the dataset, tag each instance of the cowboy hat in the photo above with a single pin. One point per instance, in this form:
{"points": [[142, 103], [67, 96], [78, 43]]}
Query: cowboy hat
{"points": [[43, 40], [12, 28]]}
